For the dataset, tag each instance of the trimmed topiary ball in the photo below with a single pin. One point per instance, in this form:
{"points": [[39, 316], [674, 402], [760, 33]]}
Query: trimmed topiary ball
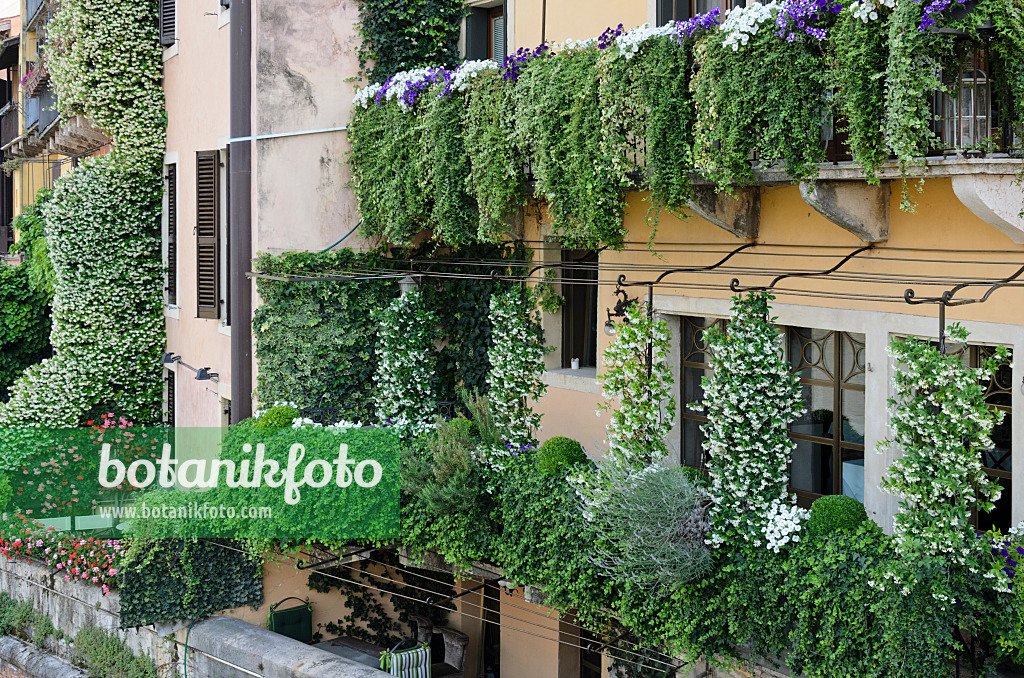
{"points": [[559, 453], [279, 416], [836, 513]]}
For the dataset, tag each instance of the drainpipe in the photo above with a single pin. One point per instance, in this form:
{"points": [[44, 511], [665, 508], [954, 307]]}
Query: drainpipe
{"points": [[240, 211]]}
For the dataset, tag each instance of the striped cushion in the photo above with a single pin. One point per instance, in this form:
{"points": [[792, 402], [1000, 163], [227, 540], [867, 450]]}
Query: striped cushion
{"points": [[413, 663]]}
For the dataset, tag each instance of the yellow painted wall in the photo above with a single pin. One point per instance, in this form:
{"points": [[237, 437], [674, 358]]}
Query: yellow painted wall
{"points": [[575, 20]]}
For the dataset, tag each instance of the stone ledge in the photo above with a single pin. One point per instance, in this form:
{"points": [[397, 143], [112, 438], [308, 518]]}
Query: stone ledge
{"points": [[245, 650], [35, 661]]}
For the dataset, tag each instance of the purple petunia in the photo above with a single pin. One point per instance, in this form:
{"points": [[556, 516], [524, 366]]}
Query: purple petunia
{"points": [[698, 24], [933, 8], [805, 15], [607, 39], [513, 63]]}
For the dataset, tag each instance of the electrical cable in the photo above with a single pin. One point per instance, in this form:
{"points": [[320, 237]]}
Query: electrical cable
{"points": [[459, 612]]}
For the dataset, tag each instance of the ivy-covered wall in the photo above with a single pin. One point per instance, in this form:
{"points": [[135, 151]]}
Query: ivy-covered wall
{"points": [[102, 226], [316, 340], [400, 35]]}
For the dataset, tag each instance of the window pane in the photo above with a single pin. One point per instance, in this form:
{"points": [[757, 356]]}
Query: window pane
{"points": [[694, 345], [693, 392], [853, 416], [812, 467], [811, 353], [853, 474], [853, 358], [999, 516], [817, 420], [693, 440], [1000, 457]]}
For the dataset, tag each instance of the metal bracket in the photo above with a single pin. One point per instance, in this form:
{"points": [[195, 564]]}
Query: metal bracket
{"points": [[947, 298]]}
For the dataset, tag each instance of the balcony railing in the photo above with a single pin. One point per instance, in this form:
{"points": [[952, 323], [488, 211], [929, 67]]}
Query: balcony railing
{"points": [[9, 125], [47, 109]]}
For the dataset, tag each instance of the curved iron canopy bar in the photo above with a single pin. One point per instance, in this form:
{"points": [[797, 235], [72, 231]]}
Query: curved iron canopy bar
{"points": [[735, 284]]}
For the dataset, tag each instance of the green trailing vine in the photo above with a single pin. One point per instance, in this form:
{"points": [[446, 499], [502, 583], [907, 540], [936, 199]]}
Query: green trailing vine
{"points": [[766, 98], [31, 228], [450, 151], [559, 124], [496, 176], [168, 580], [396, 36], [374, 584], [859, 54], [316, 340]]}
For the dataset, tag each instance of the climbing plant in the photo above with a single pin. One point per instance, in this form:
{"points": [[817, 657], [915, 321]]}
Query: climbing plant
{"points": [[102, 226], [750, 399], [405, 394], [398, 36], [105, 62], [941, 424]]}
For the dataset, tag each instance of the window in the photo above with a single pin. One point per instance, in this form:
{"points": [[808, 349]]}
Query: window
{"points": [[680, 10], [829, 436], [579, 314], [590, 659], [168, 22], [171, 234], [485, 33], [492, 630], [998, 461], [208, 232], [696, 362], [963, 117]]}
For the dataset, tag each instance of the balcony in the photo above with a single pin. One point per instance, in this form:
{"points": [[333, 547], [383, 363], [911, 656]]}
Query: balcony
{"points": [[8, 125], [36, 79]]}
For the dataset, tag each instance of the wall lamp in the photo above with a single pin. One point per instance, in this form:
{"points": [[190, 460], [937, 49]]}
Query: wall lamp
{"points": [[619, 311], [204, 374]]}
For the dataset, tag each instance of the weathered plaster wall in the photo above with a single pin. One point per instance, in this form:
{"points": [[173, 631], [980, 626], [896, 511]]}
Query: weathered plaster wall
{"points": [[305, 63]]}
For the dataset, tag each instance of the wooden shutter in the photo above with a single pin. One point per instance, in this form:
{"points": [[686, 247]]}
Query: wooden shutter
{"points": [[207, 234], [172, 234], [497, 34], [168, 22], [169, 383], [477, 42]]}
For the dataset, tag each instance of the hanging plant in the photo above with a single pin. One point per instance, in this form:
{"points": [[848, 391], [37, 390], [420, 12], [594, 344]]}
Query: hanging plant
{"points": [[859, 54], [558, 120], [757, 95]]}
